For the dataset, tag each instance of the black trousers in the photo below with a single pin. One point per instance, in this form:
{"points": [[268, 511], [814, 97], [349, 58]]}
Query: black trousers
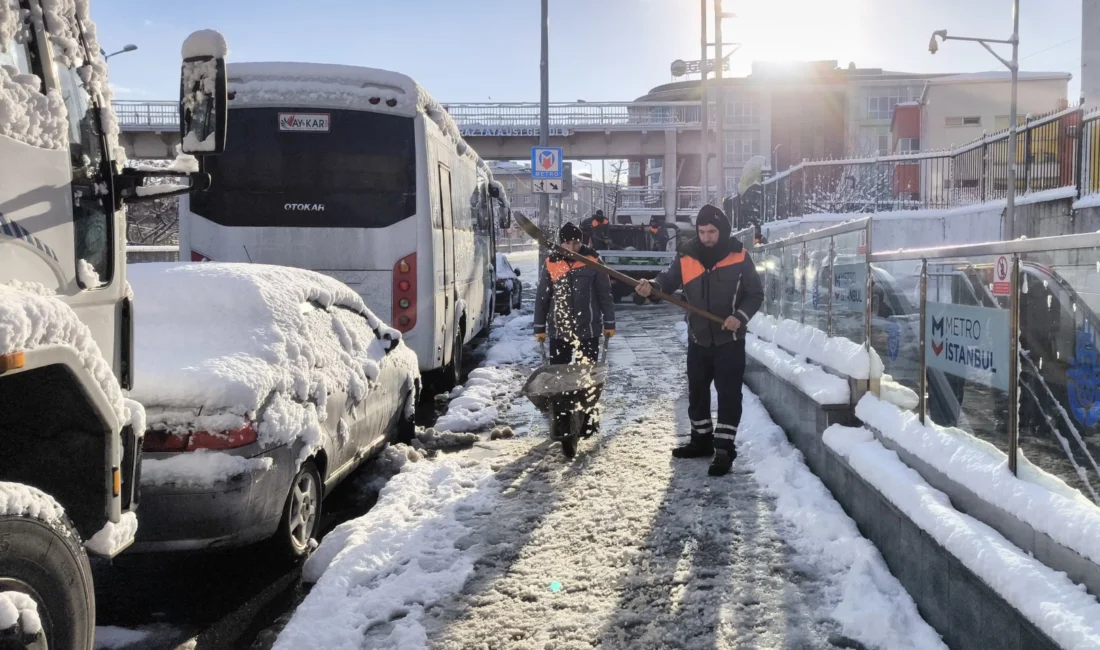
{"points": [[724, 366], [564, 351]]}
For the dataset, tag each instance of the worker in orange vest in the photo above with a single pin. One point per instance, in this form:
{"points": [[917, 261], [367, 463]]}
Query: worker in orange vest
{"points": [[717, 276]]}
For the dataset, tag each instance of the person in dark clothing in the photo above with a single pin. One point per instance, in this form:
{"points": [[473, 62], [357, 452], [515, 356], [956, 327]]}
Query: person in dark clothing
{"points": [[758, 239], [658, 234], [599, 232], [573, 307], [717, 275]]}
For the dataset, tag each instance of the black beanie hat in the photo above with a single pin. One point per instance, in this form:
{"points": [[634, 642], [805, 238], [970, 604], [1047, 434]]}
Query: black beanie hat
{"points": [[569, 232], [599, 214], [710, 215]]}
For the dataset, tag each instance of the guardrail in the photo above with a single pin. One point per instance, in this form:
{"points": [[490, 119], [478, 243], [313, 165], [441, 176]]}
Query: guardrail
{"points": [[690, 199], [941, 327], [471, 117], [1057, 150], [640, 199]]}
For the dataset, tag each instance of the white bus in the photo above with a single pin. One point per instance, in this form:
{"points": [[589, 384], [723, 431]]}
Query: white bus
{"points": [[359, 174]]}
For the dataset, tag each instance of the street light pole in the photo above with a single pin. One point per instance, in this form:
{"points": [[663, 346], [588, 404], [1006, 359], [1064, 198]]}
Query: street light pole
{"points": [[720, 108], [704, 131], [1013, 66], [544, 118], [125, 49]]}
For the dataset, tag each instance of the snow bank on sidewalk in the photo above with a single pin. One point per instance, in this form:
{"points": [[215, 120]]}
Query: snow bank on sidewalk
{"points": [[474, 409], [867, 601], [387, 567], [1039, 499], [853, 359], [812, 380], [1049, 599]]}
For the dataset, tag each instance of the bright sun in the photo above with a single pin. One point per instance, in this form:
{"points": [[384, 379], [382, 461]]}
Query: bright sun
{"points": [[796, 29]]}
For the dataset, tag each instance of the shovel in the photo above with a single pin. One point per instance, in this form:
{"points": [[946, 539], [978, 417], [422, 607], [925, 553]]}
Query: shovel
{"points": [[538, 235]]}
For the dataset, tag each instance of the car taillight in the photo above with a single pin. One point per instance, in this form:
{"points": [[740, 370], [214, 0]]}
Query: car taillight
{"points": [[500, 283], [245, 435], [165, 441], [199, 257], [404, 293]]}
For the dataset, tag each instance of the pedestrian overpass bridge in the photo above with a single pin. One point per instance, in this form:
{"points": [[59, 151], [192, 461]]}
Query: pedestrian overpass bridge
{"points": [[507, 131]]}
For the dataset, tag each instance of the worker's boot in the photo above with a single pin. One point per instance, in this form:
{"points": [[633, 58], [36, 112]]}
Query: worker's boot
{"points": [[723, 461], [697, 447]]}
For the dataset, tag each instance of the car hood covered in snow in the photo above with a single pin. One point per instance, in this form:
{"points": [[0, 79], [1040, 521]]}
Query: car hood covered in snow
{"points": [[224, 337]]}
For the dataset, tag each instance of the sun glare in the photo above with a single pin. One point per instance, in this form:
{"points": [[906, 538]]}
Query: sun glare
{"points": [[796, 30]]}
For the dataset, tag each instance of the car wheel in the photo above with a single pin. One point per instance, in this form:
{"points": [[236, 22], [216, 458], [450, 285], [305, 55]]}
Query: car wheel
{"points": [[47, 563], [302, 512], [506, 308], [406, 425]]}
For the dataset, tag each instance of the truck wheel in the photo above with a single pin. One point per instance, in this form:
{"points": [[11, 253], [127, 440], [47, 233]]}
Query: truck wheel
{"points": [[452, 373], [48, 563], [301, 513]]}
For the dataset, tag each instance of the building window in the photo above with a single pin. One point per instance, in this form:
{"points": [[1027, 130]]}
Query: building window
{"points": [[967, 121], [731, 184], [635, 169], [526, 199], [655, 163], [908, 145], [881, 102], [742, 112], [883, 144], [740, 147], [511, 186]]}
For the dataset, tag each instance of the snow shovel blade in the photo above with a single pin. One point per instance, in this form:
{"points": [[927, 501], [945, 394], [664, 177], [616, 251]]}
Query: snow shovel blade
{"points": [[538, 235]]}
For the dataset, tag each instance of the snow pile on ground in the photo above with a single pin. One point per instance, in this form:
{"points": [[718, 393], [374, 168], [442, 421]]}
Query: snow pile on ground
{"points": [[512, 341], [1049, 599], [225, 337], [114, 537], [810, 379], [17, 608], [1041, 500], [853, 359], [866, 599], [379, 573], [474, 408], [431, 438], [201, 468], [30, 317]]}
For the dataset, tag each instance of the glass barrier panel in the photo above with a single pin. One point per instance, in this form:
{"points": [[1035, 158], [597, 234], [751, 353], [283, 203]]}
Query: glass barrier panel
{"points": [[849, 280], [771, 268], [1059, 425], [895, 330], [818, 284], [967, 348], [791, 257]]}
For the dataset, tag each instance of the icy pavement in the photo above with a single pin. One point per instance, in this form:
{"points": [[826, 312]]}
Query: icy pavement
{"points": [[622, 547]]}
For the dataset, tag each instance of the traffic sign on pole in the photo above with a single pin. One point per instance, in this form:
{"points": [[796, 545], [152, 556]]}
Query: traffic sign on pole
{"points": [[546, 186], [546, 162]]}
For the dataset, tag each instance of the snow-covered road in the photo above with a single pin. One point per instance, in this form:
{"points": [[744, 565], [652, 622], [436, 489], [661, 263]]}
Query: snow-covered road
{"points": [[622, 547]]}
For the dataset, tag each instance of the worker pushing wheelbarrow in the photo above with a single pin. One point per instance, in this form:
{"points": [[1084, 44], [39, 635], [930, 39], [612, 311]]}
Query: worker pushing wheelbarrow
{"points": [[569, 394], [574, 308]]}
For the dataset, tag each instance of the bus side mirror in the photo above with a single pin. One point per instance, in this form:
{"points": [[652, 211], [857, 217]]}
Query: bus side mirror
{"points": [[203, 94]]}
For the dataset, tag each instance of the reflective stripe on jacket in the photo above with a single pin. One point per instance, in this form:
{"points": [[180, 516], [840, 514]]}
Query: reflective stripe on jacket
{"points": [[573, 300]]}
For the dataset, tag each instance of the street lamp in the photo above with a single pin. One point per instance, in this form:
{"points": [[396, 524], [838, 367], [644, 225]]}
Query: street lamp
{"points": [[775, 163], [125, 48], [1013, 66]]}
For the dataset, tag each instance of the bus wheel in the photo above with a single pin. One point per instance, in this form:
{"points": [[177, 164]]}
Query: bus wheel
{"points": [[58, 579], [452, 374]]}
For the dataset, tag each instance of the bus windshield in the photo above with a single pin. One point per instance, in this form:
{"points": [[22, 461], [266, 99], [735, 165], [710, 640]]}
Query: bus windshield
{"points": [[312, 168]]}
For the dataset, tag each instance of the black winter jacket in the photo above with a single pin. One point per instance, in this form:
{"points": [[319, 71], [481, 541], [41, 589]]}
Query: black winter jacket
{"points": [[573, 300], [730, 288]]}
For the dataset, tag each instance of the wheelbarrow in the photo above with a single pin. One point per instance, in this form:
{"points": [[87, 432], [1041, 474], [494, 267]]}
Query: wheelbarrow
{"points": [[566, 393]]}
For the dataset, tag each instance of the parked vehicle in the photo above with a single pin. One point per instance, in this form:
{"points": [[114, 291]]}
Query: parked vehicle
{"points": [[509, 287], [359, 174], [70, 439], [264, 387]]}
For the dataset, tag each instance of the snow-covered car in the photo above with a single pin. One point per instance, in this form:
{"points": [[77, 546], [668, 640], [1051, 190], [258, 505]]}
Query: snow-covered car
{"points": [[264, 387], [509, 287]]}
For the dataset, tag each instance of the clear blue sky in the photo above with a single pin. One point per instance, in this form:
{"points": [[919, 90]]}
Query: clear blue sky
{"points": [[474, 50]]}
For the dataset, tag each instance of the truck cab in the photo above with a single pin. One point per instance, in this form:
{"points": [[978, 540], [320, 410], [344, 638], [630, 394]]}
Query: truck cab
{"points": [[71, 440]]}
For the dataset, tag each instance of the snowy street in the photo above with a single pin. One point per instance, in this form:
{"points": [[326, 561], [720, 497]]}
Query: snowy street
{"points": [[620, 548]]}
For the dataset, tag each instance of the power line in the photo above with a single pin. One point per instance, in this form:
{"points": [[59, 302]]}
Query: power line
{"points": [[1075, 38]]}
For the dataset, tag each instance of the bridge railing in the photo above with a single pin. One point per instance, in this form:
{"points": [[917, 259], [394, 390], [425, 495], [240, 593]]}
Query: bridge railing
{"points": [[690, 199], [640, 199], [576, 114], [147, 116], [164, 115]]}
